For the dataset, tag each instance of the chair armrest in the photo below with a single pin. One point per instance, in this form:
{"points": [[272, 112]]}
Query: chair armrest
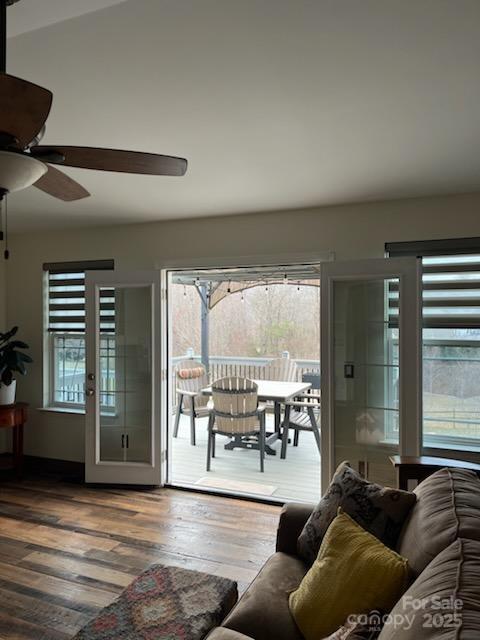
{"points": [[292, 520], [222, 633], [303, 403], [261, 408], [312, 396], [190, 394]]}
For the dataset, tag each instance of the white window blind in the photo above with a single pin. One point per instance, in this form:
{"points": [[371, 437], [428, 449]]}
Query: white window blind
{"points": [[66, 296], [450, 282]]}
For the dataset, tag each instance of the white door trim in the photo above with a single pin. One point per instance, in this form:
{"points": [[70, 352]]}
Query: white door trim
{"points": [[408, 271]]}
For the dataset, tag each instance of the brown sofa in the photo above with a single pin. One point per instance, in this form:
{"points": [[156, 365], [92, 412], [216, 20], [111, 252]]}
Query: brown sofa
{"points": [[440, 539]]}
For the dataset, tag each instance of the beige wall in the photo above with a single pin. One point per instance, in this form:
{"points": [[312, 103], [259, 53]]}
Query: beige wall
{"points": [[351, 231]]}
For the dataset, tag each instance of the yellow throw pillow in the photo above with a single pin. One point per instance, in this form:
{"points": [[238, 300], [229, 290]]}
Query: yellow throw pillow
{"points": [[354, 573]]}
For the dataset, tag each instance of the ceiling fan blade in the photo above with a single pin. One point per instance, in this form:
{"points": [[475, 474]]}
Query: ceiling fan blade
{"points": [[24, 108], [59, 185], [112, 160]]}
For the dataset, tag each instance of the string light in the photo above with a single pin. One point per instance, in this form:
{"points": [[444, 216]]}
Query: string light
{"points": [[229, 288], [285, 279], [184, 290], [242, 297]]}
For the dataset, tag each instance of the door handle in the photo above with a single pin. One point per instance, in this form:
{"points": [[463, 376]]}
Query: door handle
{"points": [[89, 392], [123, 441], [127, 441]]}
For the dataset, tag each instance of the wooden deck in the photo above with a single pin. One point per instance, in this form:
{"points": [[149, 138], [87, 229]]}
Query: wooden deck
{"points": [[67, 550], [295, 478]]}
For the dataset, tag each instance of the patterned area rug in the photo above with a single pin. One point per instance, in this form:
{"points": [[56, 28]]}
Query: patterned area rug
{"points": [[165, 603]]}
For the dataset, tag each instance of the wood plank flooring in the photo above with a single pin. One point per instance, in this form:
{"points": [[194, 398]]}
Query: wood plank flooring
{"points": [[67, 550]]}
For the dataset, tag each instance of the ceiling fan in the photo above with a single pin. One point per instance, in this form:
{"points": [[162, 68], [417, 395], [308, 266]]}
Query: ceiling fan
{"points": [[24, 109]]}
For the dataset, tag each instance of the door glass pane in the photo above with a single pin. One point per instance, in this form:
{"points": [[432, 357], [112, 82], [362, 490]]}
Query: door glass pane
{"points": [[366, 410], [125, 374]]}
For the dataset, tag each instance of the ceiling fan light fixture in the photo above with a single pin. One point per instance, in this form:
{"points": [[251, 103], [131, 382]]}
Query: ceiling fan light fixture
{"points": [[19, 171]]}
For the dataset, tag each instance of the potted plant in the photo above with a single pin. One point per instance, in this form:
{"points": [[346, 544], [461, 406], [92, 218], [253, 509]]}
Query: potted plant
{"points": [[11, 361]]}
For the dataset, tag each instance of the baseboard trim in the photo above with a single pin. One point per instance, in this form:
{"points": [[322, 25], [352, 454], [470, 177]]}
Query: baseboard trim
{"points": [[54, 466]]}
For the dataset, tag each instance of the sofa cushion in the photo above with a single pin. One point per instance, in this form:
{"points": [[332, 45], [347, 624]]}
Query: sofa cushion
{"points": [[353, 573], [444, 602], [447, 507], [262, 613], [379, 510]]}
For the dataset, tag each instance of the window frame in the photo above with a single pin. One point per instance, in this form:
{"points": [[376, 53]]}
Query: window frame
{"points": [[50, 334], [431, 249], [53, 403]]}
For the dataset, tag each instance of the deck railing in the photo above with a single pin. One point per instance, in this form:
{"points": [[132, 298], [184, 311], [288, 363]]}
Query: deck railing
{"points": [[222, 366]]}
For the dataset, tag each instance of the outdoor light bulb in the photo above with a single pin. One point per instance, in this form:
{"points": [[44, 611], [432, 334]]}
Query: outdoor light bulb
{"points": [[243, 297], [298, 288], [184, 290], [285, 279], [229, 289]]}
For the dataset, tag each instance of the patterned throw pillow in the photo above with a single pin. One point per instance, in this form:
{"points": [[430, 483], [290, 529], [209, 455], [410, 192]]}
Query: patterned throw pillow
{"points": [[379, 510]]}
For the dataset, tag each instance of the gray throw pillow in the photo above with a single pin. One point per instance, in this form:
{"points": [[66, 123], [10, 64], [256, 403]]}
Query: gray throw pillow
{"points": [[377, 509]]}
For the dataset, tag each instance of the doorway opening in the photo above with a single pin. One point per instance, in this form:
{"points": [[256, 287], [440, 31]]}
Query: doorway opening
{"points": [[260, 324]]}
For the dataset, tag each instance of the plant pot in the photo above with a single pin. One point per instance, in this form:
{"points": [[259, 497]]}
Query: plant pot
{"points": [[7, 393]]}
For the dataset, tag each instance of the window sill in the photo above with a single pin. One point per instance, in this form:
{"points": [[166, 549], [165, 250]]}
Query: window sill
{"points": [[429, 445], [78, 412]]}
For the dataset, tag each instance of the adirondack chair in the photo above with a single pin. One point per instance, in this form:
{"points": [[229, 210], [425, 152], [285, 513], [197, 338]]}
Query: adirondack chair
{"points": [[191, 378], [236, 411], [281, 369]]}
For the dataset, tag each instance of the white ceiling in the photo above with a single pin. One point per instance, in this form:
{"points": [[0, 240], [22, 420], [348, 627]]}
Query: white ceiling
{"points": [[277, 104], [29, 15]]}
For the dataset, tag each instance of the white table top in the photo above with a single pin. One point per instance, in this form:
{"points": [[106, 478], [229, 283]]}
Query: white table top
{"points": [[274, 390]]}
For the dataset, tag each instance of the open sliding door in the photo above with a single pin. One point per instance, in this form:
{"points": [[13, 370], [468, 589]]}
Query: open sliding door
{"points": [[371, 365], [123, 387]]}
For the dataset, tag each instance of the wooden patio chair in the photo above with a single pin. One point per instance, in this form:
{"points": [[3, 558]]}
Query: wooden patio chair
{"points": [[281, 370], [302, 414], [191, 378], [236, 412]]}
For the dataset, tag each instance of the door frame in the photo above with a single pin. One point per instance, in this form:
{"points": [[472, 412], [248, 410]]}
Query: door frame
{"points": [[119, 472], [408, 271]]}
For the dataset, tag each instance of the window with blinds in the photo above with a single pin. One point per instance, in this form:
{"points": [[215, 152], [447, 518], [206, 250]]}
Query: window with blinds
{"points": [[450, 282], [66, 297], [66, 326], [451, 338]]}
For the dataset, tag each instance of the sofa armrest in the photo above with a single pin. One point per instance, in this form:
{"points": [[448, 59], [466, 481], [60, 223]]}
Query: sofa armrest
{"points": [[292, 520], [222, 633]]}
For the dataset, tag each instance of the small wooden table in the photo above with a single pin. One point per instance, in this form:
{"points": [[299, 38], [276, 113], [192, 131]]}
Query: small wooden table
{"points": [[278, 392], [412, 468], [14, 416]]}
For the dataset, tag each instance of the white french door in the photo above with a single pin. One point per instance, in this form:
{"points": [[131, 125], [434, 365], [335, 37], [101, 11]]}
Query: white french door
{"points": [[371, 364], [123, 440]]}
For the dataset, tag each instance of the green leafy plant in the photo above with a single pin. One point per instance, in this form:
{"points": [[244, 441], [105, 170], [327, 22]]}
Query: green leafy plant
{"points": [[11, 359]]}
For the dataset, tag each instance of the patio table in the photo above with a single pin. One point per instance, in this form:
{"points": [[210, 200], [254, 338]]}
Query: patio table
{"points": [[278, 392]]}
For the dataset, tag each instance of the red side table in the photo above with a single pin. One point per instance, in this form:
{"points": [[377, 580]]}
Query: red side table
{"points": [[14, 416]]}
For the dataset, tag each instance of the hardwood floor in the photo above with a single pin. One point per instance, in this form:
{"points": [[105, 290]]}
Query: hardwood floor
{"points": [[67, 550]]}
